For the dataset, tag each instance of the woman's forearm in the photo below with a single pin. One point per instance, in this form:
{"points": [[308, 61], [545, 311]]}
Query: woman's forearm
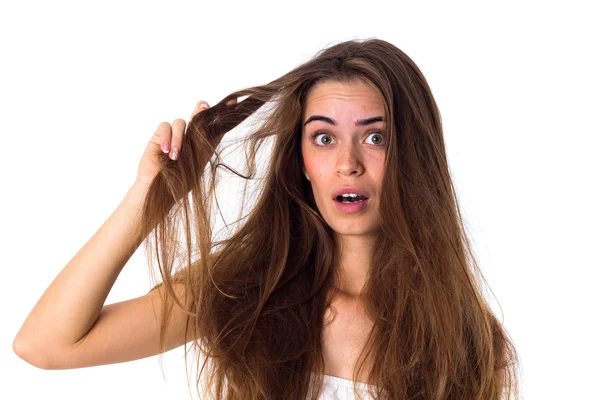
{"points": [[71, 304]]}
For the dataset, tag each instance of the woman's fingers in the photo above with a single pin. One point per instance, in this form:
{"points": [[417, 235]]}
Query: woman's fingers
{"points": [[201, 105], [177, 130], [171, 136], [169, 139], [162, 136]]}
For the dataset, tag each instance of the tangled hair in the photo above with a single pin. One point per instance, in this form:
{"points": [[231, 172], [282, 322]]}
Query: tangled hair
{"points": [[255, 299]]}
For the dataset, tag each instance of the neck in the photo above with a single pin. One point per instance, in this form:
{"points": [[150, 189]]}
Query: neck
{"points": [[355, 259]]}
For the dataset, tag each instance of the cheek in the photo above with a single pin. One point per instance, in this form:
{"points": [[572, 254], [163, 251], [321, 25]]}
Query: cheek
{"points": [[309, 160], [309, 165], [317, 167], [380, 166]]}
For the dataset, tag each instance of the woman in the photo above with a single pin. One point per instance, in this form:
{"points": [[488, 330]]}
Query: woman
{"points": [[353, 267]]}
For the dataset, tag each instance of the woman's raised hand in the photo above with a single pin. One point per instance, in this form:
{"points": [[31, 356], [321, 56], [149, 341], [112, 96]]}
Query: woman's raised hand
{"points": [[166, 139]]}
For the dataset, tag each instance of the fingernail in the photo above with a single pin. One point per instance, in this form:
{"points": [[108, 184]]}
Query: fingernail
{"points": [[165, 146], [174, 153], [203, 106]]}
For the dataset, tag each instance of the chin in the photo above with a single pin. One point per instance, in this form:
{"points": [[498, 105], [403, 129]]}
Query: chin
{"points": [[354, 228]]}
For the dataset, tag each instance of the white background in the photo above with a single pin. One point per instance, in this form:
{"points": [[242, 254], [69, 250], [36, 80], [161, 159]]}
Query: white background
{"points": [[84, 85]]}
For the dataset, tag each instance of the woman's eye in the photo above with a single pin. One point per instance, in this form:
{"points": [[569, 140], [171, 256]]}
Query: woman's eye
{"points": [[327, 136], [379, 140]]}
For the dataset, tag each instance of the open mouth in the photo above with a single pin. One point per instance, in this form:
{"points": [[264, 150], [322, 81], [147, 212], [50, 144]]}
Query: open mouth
{"points": [[351, 199]]}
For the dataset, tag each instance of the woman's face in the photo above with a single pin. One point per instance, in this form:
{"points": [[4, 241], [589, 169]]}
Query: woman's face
{"points": [[340, 151]]}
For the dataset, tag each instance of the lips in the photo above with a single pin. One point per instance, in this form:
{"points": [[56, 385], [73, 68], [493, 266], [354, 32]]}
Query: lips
{"points": [[353, 208]]}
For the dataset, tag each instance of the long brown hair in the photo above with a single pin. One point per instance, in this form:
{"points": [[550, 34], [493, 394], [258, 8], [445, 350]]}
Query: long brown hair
{"points": [[256, 299]]}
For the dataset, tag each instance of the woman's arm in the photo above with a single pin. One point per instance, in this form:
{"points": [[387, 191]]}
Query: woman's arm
{"points": [[71, 304]]}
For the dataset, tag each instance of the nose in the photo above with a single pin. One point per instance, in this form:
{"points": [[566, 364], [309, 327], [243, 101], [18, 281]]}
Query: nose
{"points": [[348, 160]]}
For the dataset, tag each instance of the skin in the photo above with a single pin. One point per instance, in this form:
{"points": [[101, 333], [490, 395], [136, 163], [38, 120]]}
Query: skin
{"points": [[343, 155]]}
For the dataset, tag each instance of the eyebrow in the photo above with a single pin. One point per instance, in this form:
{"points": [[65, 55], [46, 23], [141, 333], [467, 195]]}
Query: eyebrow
{"points": [[359, 122]]}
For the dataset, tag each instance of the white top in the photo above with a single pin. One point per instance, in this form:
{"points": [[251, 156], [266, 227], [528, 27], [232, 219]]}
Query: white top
{"points": [[335, 388]]}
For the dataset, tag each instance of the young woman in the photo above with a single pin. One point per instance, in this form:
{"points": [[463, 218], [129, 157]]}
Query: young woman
{"points": [[352, 273]]}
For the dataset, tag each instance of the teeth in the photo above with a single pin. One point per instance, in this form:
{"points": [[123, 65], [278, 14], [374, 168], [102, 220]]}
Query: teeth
{"points": [[349, 195]]}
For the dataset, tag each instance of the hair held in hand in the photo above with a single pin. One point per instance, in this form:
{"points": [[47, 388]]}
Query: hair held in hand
{"points": [[257, 297]]}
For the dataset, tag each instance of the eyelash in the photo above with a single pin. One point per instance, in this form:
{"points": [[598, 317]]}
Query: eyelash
{"points": [[314, 135]]}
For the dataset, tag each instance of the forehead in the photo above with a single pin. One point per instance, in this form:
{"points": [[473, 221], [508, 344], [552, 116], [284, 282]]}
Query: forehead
{"points": [[330, 96]]}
